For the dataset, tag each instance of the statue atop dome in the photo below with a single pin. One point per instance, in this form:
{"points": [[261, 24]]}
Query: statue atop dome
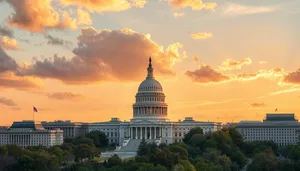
{"points": [[150, 70]]}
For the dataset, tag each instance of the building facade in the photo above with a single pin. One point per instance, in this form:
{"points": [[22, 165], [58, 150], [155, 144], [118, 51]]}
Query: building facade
{"points": [[29, 133], [283, 129], [70, 129]]}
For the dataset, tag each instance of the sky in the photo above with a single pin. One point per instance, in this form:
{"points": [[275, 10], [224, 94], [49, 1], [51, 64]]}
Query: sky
{"points": [[217, 60]]}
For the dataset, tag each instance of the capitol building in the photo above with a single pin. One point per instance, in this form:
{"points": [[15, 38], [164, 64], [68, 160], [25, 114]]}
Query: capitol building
{"points": [[150, 120]]}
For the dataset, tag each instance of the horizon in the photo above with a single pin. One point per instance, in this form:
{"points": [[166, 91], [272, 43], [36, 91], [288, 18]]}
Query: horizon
{"points": [[217, 60]]}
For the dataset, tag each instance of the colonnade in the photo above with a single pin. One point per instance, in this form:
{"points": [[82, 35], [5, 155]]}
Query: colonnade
{"points": [[144, 132], [150, 110]]}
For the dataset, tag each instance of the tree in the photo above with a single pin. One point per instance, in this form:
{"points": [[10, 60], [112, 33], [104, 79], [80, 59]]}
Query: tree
{"points": [[58, 153], [265, 161], [3, 150], [181, 151], [25, 163], [187, 165], [239, 158], [84, 151], [14, 151], [80, 140], [99, 138], [197, 140], [287, 165], [143, 148], [115, 160], [178, 167], [193, 131]]}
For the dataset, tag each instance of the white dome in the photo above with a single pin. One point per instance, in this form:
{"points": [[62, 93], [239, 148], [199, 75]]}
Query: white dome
{"points": [[150, 98], [150, 85]]}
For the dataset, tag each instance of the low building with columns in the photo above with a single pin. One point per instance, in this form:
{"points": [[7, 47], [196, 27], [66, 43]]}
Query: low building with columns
{"points": [[150, 120]]}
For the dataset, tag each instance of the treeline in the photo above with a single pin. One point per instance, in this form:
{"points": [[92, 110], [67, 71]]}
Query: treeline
{"points": [[15, 158], [224, 150]]}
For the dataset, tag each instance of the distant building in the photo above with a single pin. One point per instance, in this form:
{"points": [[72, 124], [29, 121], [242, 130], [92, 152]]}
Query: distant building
{"points": [[71, 129], [29, 133], [283, 129]]}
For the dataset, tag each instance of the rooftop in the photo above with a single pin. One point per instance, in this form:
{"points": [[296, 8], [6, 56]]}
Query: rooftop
{"points": [[28, 124]]}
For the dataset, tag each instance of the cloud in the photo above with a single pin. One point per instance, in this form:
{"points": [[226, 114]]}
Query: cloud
{"points": [[65, 96], [206, 74], [196, 58], [230, 64], [238, 9], [262, 62], [194, 4], [10, 80], [258, 105], [265, 73], [103, 55], [293, 77], [6, 62], [105, 5], [7, 102], [6, 31], [83, 17], [57, 41], [37, 15], [8, 43], [290, 90], [201, 35], [7, 77], [176, 15]]}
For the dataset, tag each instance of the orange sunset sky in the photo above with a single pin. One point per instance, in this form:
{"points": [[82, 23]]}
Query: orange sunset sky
{"points": [[217, 60]]}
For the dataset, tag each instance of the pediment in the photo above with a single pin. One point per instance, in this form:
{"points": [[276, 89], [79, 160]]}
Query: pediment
{"points": [[144, 122]]}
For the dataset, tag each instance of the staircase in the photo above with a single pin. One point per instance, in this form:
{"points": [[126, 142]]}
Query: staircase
{"points": [[133, 145]]}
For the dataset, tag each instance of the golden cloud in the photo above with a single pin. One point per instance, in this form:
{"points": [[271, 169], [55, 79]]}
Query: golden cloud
{"points": [[108, 55], [230, 64], [196, 58], [203, 35], [10, 80], [265, 73], [105, 5], [194, 4], [37, 15], [176, 15], [206, 74], [8, 43], [293, 77], [258, 105], [65, 96]]}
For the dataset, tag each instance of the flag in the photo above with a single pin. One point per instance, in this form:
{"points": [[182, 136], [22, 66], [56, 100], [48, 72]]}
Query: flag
{"points": [[35, 109]]}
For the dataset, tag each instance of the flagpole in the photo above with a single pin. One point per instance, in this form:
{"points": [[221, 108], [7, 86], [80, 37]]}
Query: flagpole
{"points": [[33, 114]]}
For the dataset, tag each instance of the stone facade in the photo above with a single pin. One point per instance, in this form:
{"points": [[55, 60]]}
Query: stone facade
{"points": [[283, 129], [29, 133]]}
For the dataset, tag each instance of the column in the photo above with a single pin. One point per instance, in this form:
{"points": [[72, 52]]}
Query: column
{"points": [[141, 133], [135, 132], [130, 132], [150, 133], [154, 132]]}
